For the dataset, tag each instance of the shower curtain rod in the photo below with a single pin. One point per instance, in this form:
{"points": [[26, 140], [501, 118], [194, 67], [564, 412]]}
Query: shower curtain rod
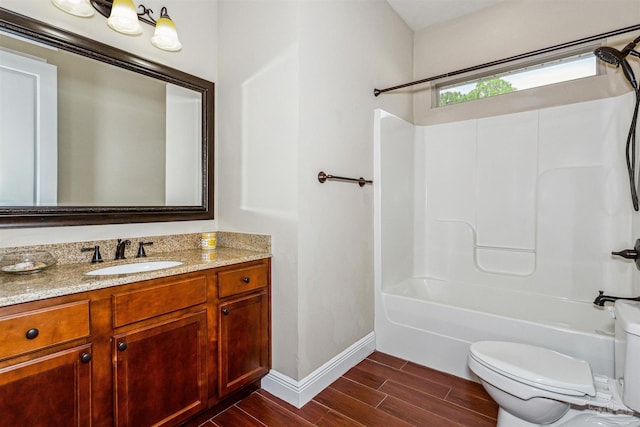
{"points": [[377, 92]]}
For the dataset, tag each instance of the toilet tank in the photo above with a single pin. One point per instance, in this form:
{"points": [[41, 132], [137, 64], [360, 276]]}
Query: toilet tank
{"points": [[627, 349]]}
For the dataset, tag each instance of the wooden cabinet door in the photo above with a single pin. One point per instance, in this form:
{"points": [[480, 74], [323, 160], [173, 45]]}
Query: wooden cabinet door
{"points": [[243, 342], [160, 372], [48, 391]]}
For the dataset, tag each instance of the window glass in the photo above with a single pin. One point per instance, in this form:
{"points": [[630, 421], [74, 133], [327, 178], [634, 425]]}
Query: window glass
{"points": [[549, 72]]}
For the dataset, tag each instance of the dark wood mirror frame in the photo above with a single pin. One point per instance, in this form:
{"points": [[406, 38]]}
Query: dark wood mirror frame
{"points": [[47, 216]]}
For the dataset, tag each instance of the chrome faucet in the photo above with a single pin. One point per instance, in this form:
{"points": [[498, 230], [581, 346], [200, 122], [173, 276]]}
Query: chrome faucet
{"points": [[602, 298], [120, 248]]}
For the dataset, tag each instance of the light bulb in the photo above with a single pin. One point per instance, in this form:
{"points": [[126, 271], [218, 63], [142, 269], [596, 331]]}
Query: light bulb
{"points": [[75, 7], [165, 36], [124, 18]]}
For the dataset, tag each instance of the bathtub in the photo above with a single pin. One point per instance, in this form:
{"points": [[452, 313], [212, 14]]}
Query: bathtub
{"points": [[511, 265], [432, 322]]}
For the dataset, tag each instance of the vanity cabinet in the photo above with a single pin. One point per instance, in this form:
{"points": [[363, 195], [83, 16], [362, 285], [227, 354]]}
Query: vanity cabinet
{"points": [[51, 390], [45, 365], [155, 352], [243, 331], [160, 372], [160, 354]]}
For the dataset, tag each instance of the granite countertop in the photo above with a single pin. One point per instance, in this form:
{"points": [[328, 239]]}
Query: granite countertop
{"points": [[66, 279]]}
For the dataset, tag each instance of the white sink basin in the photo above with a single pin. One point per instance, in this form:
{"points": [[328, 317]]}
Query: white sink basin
{"points": [[133, 267]]}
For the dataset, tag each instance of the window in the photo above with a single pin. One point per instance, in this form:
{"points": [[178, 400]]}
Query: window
{"points": [[546, 73]]}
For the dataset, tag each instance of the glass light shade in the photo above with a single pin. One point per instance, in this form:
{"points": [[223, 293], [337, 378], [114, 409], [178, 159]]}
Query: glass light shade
{"points": [[124, 18], [165, 36], [75, 7]]}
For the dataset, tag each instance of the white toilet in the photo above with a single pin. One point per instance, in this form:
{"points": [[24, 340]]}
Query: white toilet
{"points": [[535, 386]]}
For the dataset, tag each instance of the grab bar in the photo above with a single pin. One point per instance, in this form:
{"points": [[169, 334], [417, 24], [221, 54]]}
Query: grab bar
{"points": [[323, 177]]}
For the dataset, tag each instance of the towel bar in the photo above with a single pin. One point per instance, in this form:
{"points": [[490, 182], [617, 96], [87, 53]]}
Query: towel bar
{"points": [[323, 177]]}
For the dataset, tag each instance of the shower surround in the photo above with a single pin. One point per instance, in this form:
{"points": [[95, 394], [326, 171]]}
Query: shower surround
{"points": [[502, 228]]}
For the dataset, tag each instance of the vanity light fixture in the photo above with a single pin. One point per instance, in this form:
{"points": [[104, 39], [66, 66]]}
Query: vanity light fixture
{"points": [[75, 7], [122, 17], [166, 37]]}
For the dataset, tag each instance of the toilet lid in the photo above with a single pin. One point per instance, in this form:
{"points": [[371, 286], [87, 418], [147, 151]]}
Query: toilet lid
{"points": [[536, 366]]}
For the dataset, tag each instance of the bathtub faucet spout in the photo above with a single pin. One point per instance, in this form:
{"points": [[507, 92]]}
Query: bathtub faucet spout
{"points": [[602, 298]]}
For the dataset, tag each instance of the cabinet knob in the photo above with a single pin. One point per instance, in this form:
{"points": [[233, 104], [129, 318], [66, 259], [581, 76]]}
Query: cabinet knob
{"points": [[122, 346], [246, 279], [85, 357], [32, 333], [225, 311]]}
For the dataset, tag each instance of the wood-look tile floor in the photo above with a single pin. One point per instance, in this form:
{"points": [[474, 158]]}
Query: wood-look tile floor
{"points": [[380, 391]]}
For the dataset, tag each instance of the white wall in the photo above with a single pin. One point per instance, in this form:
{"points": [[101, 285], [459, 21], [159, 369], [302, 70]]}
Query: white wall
{"points": [[196, 22], [515, 27], [296, 82], [347, 48], [532, 202], [396, 180], [258, 128]]}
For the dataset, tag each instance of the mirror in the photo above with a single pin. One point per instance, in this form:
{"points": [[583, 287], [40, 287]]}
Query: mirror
{"points": [[90, 134]]}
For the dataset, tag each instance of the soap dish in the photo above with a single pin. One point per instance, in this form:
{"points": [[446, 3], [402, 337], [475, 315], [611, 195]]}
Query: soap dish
{"points": [[26, 262]]}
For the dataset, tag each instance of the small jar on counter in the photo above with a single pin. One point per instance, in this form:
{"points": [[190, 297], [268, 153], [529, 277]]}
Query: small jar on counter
{"points": [[208, 241]]}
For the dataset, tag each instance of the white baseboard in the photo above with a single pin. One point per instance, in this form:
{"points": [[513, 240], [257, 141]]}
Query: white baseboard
{"points": [[300, 392]]}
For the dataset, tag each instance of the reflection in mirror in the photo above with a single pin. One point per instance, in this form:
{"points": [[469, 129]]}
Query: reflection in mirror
{"points": [[122, 139], [91, 134]]}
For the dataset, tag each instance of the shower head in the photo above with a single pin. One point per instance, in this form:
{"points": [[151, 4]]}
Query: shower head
{"points": [[609, 55], [615, 57]]}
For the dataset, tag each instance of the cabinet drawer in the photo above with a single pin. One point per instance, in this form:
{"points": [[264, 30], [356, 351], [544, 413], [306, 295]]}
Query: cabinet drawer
{"points": [[242, 280], [133, 306], [37, 329]]}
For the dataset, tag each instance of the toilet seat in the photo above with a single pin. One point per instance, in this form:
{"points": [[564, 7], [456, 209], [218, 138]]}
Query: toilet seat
{"points": [[535, 366]]}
